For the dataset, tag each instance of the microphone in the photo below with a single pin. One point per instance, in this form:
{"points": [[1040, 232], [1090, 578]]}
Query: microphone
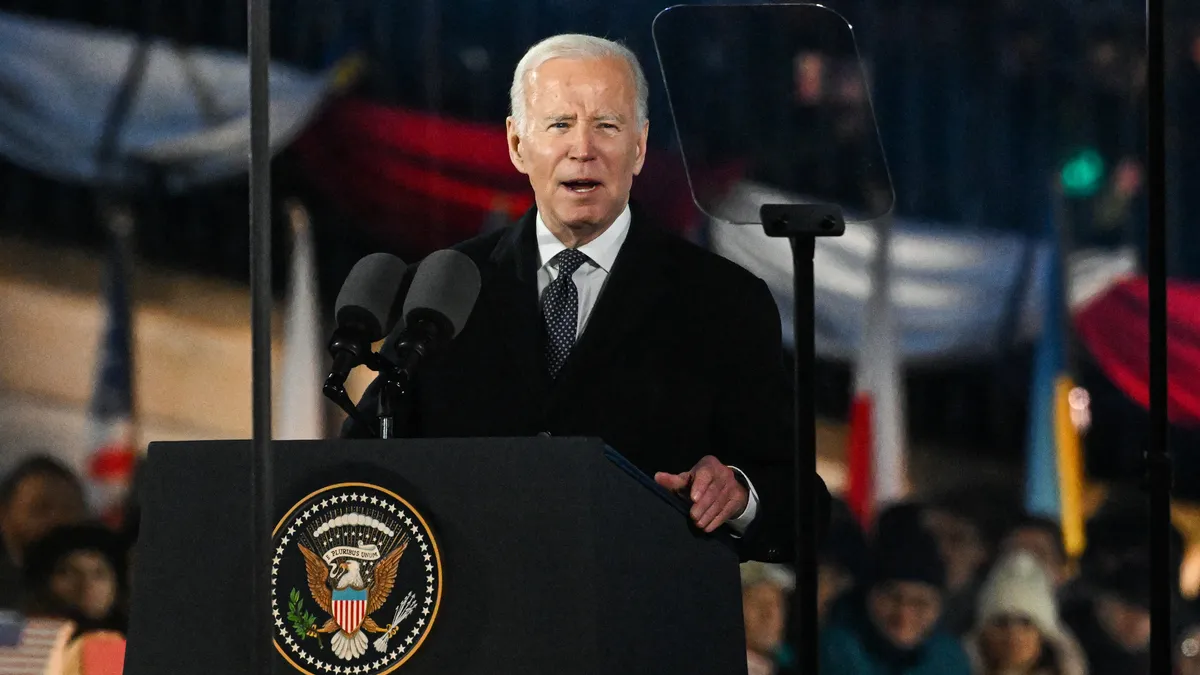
{"points": [[364, 314], [439, 302]]}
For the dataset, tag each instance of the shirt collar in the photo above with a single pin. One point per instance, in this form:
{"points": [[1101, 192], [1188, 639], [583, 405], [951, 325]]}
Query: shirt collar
{"points": [[602, 250]]}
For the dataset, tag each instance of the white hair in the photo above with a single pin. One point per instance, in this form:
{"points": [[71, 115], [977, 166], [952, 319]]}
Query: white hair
{"points": [[575, 46]]}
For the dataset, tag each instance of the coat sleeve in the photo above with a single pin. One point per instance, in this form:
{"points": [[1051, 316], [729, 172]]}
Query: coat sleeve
{"points": [[754, 424]]}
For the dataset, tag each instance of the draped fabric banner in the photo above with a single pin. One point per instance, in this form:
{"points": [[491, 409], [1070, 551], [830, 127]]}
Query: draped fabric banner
{"points": [[422, 182], [1115, 330], [957, 293], [426, 181], [414, 178], [189, 109]]}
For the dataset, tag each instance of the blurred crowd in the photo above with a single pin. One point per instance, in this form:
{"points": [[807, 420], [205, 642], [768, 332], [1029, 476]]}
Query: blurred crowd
{"points": [[57, 562], [945, 586], [952, 586]]}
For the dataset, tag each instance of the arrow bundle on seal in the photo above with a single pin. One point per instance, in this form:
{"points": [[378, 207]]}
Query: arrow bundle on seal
{"points": [[402, 611]]}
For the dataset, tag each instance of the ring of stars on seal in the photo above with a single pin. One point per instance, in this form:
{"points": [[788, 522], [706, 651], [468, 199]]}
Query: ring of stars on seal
{"points": [[356, 581]]}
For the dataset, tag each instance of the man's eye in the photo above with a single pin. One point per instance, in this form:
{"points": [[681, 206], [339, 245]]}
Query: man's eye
{"points": [[559, 125], [607, 125]]}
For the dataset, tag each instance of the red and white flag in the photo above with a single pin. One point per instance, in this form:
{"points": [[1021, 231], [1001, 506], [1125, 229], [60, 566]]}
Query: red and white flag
{"points": [[876, 455], [111, 429]]}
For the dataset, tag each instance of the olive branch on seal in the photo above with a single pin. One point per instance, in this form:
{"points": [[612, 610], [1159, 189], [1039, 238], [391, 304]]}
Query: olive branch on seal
{"points": [[301, 621]]}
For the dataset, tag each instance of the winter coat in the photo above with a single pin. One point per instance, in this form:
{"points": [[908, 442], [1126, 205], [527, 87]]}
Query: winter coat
{"points": [[851, 645]]}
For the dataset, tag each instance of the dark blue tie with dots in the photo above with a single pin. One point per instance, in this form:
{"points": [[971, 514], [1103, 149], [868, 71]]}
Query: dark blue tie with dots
{"points": [[560, 307]]}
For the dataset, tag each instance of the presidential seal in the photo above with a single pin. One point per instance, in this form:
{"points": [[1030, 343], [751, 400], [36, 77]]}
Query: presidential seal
{"points": [[356, 581]]}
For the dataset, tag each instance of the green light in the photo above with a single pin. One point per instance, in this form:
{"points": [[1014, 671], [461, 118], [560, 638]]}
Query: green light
{"points": [[1082, 174]]}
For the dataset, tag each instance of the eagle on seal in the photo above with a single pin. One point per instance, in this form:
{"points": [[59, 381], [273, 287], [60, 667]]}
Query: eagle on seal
{"points": [[350, 642]]}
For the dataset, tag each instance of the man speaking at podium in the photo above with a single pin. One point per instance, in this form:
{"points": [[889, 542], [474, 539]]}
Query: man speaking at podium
{"points": [[591, 321]]}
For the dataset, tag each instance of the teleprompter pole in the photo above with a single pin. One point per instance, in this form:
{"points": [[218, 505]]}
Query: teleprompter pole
{"points": [[1157, 457], [802, 224]]}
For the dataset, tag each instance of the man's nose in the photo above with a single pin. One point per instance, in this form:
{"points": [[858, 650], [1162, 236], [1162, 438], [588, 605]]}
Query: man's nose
{"points": [[582, 145]]}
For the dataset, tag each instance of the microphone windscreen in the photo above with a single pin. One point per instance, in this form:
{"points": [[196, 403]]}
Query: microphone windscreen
{"points": [[369, 293], [446, 286]]}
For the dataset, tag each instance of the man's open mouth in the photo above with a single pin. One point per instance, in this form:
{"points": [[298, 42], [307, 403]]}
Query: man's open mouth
{"points": [[581, 186]]}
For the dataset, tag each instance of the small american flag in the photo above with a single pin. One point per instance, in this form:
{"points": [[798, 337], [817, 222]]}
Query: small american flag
{"points": [[40, 650]]}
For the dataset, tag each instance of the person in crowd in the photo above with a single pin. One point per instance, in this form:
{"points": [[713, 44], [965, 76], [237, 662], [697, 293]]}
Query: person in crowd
{"points": [[765, 591], [1042, 538], [1113, 622], [77, 572], [1117, 537], [1120, 530], [1018, 630], [959, 522], [1116, 530], [842, 559], [890, 625], [37, 495], [899, 517]]}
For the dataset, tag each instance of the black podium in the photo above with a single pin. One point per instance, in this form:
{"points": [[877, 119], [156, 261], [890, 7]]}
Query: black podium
{"points": [[553, 556]]}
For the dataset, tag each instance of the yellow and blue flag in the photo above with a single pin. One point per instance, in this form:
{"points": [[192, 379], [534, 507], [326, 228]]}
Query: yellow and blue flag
{"points": [[1054, 478]]}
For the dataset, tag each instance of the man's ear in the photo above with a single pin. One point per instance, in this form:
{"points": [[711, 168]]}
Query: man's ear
{"points": [[641, 149], [514, 145]]}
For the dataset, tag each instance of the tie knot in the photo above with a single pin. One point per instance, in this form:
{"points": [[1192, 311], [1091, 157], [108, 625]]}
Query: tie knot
{"points": [[569, 260]]}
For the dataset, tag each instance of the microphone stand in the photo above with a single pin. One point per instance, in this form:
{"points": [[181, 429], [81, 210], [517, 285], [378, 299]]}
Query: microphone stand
{"points": [[802, 224], [422, 337], [335, 390], [391, 391], [393, 387]]}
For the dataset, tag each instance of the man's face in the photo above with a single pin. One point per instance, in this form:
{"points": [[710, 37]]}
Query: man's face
{"points": [[961, 546], [905, 612], [1127, 625], [764, 606], [39, 503], [1041, 545], [581, 144], [832, 582]]}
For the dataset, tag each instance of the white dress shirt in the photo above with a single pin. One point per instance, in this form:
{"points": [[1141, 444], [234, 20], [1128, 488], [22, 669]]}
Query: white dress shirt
{"points": [[589, 279]]}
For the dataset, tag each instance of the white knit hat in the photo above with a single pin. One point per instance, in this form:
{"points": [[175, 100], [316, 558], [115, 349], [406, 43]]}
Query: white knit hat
{"points": [[754, 573], [1018, 585]]}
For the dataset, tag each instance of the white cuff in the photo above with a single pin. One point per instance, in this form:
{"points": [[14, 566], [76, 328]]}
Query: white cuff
{"points": [[742, 521]]}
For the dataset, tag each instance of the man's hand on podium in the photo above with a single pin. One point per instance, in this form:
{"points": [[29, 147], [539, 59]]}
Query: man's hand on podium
{"points": [[716, 493]]}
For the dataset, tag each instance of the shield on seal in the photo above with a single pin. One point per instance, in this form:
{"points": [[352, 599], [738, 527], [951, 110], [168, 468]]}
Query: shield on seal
{"points": [[349, 608]]}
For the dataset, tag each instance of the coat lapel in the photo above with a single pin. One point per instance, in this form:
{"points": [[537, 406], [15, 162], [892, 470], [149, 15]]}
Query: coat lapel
{"points": [[637, 283], [515, 304]]}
